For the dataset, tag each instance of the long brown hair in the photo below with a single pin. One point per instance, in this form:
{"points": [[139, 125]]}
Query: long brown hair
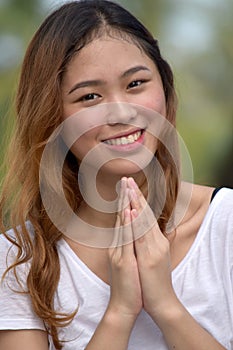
{"points": [[39, 112]]}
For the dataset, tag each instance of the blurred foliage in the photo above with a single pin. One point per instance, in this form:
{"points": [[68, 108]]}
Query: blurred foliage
{"points": [[18, 20], [195, 37]]}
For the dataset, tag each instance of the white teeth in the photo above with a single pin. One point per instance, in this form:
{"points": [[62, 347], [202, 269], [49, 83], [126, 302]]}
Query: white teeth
{"points": [[124, 140], [117, 141], [131, 138]]}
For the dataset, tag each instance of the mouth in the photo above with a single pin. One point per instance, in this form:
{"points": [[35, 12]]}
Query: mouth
{"points": [[126, 139]]}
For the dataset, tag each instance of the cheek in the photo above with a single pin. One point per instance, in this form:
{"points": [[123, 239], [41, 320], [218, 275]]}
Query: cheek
{"points": [[78, 150], [87, 121], [80, 126], [85, 142], [151, 142], [154, 101]]}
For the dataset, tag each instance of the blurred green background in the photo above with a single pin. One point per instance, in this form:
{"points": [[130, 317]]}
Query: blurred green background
{"points": [[195, 36]]}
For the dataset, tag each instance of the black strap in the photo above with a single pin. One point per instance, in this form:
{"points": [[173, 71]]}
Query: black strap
{"points": [[214, 193]]}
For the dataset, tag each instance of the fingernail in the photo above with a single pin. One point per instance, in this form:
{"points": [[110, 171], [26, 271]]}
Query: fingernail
{"points": [[123, 182], [127, 213], [134, 213]]}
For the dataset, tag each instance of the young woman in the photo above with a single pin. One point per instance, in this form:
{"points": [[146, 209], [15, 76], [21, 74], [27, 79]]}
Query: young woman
{"points": [[158, 282]]}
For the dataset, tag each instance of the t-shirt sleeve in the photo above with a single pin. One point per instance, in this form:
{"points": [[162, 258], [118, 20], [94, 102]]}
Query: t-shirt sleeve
{"points": [[16, 310], [223, 225], [225, 217], [227, 213]]}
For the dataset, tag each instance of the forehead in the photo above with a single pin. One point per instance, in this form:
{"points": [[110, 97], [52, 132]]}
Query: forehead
{"points": [[108, 52]]}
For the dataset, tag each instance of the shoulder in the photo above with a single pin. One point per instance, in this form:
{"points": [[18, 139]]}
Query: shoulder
{"points": [[217, 228], [205, 200], [210, 206], [12, 235], [221, 209], [16, 311], [201, 195], [8, 244], [214, 201], [195, 201], [211, 216], [8, 249], [224, 196]]}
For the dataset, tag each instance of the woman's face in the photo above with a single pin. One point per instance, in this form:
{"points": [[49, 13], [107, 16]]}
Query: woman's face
{"points": [[116, 74]]}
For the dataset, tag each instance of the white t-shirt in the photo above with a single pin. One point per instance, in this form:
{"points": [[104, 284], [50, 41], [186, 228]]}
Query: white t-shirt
{"points": [[203, 282]]}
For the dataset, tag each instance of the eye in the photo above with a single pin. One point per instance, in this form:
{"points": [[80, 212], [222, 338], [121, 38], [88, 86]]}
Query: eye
{"points": [[89, 97], [135, 83]]}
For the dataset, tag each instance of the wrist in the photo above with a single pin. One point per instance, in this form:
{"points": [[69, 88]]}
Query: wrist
{"points": [[168, 313], [113, 332], [118, 320]]}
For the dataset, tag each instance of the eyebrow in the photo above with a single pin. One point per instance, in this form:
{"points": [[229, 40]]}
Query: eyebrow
{"points": [[87, 83], [133, 70]]}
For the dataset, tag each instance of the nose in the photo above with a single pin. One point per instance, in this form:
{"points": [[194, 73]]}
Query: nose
{"points": [[121, 113]]}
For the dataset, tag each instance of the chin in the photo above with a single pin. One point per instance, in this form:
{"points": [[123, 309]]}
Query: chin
{"points": [[121, 167]]}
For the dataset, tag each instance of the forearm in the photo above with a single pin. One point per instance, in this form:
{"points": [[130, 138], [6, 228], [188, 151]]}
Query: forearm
{"points": [[113, 333], [182, 332]]}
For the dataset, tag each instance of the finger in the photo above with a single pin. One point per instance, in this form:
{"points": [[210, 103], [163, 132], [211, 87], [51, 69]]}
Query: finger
{"points": [[139, 225], [143, 219], [148, 242], [122, 199], [138, 198], [127, 229], [141, 206], [140, 237], [128, 247], [139, 202], [117, 233], [134, 200]]}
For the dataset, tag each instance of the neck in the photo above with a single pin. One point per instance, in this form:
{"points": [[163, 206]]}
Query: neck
{"points": [[100, 196]]}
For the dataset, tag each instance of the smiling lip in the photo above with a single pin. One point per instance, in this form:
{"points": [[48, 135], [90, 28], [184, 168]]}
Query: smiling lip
{"points": [[127, 140]]}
